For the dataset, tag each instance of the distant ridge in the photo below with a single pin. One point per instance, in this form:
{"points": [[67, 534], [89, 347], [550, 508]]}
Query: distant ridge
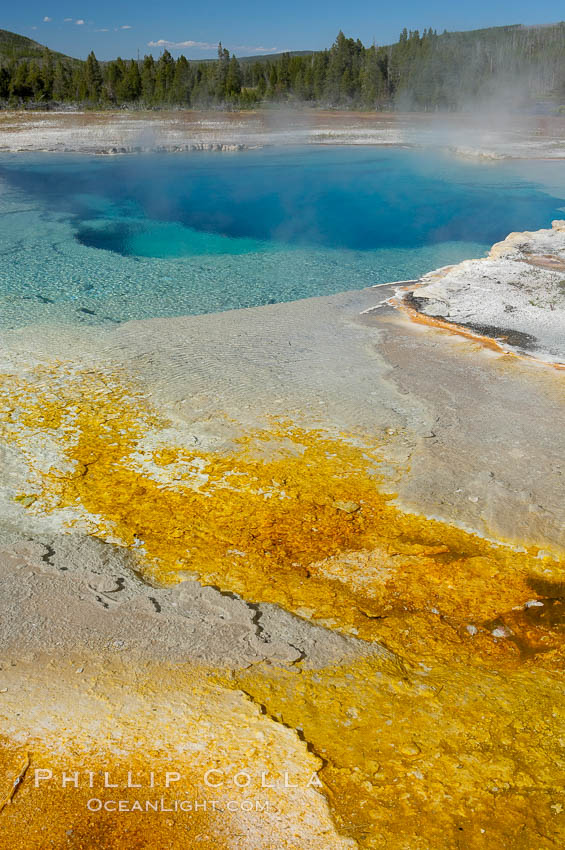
{"points": [[265, 57]]}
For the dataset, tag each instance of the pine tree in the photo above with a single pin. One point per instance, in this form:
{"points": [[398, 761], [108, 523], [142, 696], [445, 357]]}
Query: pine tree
{"points": [[233, 78], [283, 82], [92, 78], [78, 84], [273, 81], [148, 79], [222, 66], [133, 81], [261, 85], [4, 83], [61, 82], [113, 80], [35, 81], [47, 73], [19, 86], [182, 82], [164, 76]]}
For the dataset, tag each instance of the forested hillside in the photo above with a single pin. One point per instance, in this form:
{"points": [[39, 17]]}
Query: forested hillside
{"points": [[522, 65], [15, 48]]}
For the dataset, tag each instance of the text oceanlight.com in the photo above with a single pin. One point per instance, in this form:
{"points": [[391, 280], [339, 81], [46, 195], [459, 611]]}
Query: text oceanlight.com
{"points": [[95, 804]]}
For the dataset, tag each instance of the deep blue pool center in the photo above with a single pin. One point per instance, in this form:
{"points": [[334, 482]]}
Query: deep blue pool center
{"points": [[106, 239]]}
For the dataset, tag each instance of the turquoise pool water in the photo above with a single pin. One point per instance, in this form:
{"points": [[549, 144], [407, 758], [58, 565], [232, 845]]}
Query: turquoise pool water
{"points": [[106, 239]]}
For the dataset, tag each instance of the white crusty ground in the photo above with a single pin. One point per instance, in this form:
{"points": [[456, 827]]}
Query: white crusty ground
{"points": [[123, 131], [519, 286]]}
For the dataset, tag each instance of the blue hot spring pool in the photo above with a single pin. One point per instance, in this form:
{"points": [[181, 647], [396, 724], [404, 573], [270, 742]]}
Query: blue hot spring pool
{"points": [[106, 239]]}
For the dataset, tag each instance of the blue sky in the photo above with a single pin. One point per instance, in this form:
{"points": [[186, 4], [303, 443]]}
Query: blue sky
{"points": [[249, 27]]}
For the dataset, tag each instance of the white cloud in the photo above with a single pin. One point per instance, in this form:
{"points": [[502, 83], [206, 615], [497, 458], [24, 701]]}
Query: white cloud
{"points": [[67, 20], [80, 22], [125, 27], [102, 29], [178, 45], [47, 19]]}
